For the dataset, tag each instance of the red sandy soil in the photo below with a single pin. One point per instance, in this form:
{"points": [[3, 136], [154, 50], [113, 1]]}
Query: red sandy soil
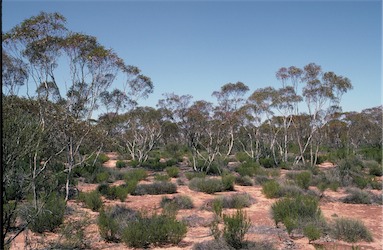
{"points": [[263, 227]]}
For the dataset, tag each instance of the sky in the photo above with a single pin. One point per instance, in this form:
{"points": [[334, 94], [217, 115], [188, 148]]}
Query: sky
{"points": [[195, 47]]}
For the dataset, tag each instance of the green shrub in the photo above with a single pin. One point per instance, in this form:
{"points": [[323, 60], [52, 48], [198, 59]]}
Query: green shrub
{"points": [[50, 216], [301, 208], [376, 185], [375, 169], [271, 189], [242, 157], [235, 228], [181, 202], [312, 232], [221, 244], [121, 164], [303, 179], [237, 201], [135, 174], [156, 230], [248, 168], [102, 177], [162, 177], [290, 191], [260, 179], [206, 185], [361, 182], [267, 162], [172, 171], [113, 221], [92, 200], [244, 180], [162, 187], [351, 230], [134, 163], [228, 182], [357, 196], [191, 175]]}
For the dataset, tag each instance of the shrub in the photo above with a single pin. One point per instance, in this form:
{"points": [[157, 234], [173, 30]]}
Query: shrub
{"points": [[303, 179], [162, 187], [267, 162], [172, 171], [260, 179], [244, 181], [92, 200], [181, 202], [290, 191], [162, 177], [271, 189], [302, 208], [361, 182], [191, 175], [375, 169], [102, 177], [220, 244], [237, 201], [206, 185], [156, 230], [350, 230], [50, 216], [235, 228], [228, 182], [248, 168], [113, 221], [312, 232], [357, 196], [242, 157], [121, 164], [135, 174]]}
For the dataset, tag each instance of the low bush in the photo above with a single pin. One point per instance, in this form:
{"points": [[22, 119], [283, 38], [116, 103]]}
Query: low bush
{"points": [[102, 177], [162, 177], [181, 202], [191, 175], [357, 196], [135, 174], [350, 230], [114, 192], [271, 189], [248, 168], [92, 200], [172, 171], [260, 179], [243, 157], [244, 181], [267, 162], [303, 179], [121, 164], [237, 201], [300, 210], [155, 230], [50, 216], [212, 185], [160, 187], [361, 182], [235, 228], [113, 221], [375, 169], [312, 232]]}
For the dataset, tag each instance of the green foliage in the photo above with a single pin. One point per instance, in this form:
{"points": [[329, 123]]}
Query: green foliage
{"points": [[113, 221], [121, 164], [361, 182], [267, 162], [238, 201], [135, 174], [221, 244], [102, 177], [156, 230], [302, 208], [372, 153], [350, 230], [243, 157], [162, 177], [235, 228], [312, 232], [191, 175], [303, 179], [162, 187], [375, 169], [212, 185], [357, 196], [228, 182], [244, 181], [92, 200], [181, 202], [271, 189], [50, 216], [248, 168], [172, 171]]}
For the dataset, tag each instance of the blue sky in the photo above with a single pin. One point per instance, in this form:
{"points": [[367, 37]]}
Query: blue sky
{"points": [[195, 47]]}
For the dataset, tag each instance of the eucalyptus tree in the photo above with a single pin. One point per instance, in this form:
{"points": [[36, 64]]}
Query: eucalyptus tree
{"points": [[322, 93], [138, 132], [230, 99]]}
